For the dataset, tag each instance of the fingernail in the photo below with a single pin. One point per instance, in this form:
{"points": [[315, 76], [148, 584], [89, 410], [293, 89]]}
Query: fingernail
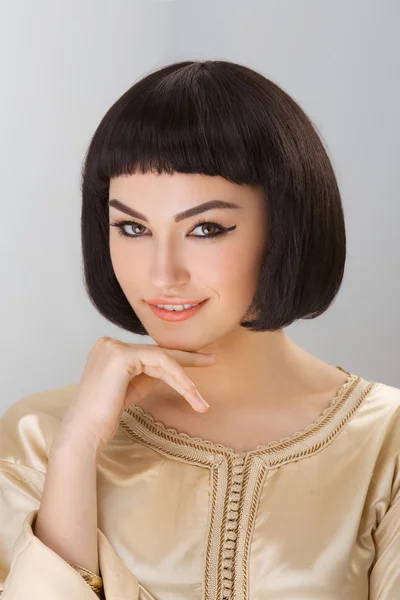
{"points": [[199, 399]]}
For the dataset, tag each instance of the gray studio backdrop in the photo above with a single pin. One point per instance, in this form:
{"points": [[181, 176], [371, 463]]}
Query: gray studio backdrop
{"points": [[64, 63]]}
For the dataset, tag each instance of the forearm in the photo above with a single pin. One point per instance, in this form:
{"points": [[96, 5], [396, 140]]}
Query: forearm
{"points": [[67, 517]]}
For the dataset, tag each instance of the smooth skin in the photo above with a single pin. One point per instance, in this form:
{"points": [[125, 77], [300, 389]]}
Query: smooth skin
{"points": [[263, 386], [67, 517], [260, 387]]}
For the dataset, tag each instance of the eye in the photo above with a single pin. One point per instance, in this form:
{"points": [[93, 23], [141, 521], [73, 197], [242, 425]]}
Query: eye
{"points": [[210, 225], [120, 225], [221, 230]]}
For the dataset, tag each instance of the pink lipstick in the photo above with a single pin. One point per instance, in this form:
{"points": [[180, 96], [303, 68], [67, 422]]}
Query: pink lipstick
{"points": [[175, 315]]}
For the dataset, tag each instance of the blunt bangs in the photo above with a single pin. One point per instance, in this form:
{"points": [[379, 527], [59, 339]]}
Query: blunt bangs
{"points": [[191, 120], [220, 118]]}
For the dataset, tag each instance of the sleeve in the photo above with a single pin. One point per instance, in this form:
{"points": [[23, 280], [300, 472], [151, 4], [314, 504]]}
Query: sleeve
{"points": [[29, 568], [92, 579], [384, 580]]}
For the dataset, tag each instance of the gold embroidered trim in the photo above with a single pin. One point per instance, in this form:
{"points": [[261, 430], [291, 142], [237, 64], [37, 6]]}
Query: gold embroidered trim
{"points": [[182, 437], [186, 447], [138, 427], [170, 433], [230, 527], [237, 479], [94, 581], [255, 473], [209, 581], [339, 411]]}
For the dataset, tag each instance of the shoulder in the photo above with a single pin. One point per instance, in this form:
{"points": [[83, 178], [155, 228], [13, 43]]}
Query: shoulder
{"points": [[379, 429], [383, 430], [29, 425], [380, 412], [384, 400]]}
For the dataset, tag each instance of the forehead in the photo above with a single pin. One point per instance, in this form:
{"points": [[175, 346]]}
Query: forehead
{"points": [[184, 184], [179, 190]]}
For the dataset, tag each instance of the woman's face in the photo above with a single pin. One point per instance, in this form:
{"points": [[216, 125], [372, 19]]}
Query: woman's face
{"points": [[171, 257]]}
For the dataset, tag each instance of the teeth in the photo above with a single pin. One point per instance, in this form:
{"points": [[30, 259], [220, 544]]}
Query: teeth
{"points": [[176, 307]]}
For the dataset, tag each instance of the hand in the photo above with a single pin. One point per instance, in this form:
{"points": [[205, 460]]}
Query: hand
{"points": [[116, 375]]}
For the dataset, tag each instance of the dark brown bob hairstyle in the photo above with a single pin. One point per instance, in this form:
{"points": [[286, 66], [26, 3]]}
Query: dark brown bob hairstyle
{"points": [[221, 118]]}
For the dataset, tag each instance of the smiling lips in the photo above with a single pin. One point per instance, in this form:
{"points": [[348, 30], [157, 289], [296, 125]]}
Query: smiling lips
{"points": [[173, 300], [175, 315]]}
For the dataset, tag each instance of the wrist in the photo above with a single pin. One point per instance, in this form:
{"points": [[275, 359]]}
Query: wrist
{"points": [[77, 440]]}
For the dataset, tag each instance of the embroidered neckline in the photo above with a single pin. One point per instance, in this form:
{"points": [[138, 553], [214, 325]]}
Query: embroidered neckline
{"points": [[138, 423], [236, 479]]}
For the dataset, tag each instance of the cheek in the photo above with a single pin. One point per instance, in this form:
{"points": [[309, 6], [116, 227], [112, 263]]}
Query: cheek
{"points": [[236, 272], [128, 270], [116, 256]]}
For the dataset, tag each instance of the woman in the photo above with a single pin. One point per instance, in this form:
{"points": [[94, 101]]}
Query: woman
{"points": [[206, 187]]}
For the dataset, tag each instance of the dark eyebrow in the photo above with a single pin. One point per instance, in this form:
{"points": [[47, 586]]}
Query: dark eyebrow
{"points": [[180, 216]]}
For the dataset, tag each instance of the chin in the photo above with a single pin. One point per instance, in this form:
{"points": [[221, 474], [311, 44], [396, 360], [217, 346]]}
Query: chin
{"points": [[176, 345], [173, 342]]}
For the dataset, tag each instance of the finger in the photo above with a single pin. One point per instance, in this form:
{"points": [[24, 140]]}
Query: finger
{"points": [[155, 356], [188, 390], [174, 374], [150, 359]]}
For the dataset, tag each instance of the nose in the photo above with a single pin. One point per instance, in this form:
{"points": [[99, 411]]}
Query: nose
{"points": [[168, 268]]}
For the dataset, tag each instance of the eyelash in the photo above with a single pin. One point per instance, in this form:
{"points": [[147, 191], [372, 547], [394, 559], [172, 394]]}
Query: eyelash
{"points": [[223, 230]]}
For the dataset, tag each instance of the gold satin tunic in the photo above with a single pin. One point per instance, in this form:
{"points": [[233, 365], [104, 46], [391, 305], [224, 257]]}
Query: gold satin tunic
{"points": [[314, 516]]}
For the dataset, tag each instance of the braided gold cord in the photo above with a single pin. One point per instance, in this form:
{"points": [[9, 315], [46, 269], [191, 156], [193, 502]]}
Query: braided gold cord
{"points": [[94, 581]]}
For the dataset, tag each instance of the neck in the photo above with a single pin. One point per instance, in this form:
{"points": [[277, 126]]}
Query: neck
{"points": [[258, 369]]}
